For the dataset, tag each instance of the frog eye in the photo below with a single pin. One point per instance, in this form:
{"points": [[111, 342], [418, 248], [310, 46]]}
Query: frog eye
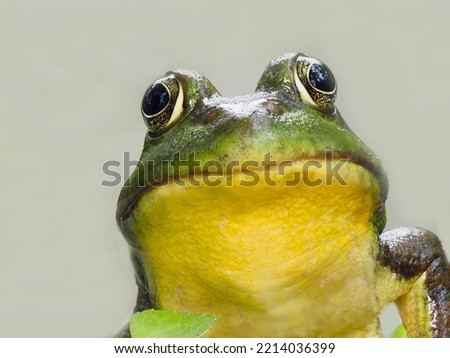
{"points": [[162, 103], [315, 82]]}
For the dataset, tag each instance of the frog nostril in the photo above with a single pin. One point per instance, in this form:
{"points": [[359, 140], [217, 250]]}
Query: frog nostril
{"points": [[156, 99], [321, 78]]}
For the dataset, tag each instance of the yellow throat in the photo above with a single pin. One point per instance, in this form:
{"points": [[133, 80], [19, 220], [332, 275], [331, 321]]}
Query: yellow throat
{"points": [[270, 260]]}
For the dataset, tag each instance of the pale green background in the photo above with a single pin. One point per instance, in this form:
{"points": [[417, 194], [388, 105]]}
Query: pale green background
{"points": [[72, 76]]}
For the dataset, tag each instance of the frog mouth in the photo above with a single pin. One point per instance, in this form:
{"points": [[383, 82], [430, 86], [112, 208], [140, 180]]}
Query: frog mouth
{"points": [[289, 174]]}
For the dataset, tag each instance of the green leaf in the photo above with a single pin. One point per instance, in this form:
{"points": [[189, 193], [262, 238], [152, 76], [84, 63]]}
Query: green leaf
{"points": [[399, 332], [170, 324]]}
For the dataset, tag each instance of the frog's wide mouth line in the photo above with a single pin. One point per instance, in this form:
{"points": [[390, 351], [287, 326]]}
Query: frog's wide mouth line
{"points": [[129, 199]]}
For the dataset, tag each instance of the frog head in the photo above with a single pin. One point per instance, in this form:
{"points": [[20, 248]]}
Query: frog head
{"points": [[291, 116], [222, 179]]}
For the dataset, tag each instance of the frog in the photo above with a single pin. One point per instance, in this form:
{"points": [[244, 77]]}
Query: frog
{"points": [[268, 211]]}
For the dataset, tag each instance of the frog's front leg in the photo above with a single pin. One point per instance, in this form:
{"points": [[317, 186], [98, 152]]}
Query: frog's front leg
{"points": [[414, 271]]}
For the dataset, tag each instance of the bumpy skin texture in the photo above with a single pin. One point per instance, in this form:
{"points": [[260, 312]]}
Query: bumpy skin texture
{"points": [[413, 253], [409, 265]]}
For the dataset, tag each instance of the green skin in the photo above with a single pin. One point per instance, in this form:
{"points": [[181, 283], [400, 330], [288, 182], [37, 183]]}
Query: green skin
{"points": [[275, 120]]}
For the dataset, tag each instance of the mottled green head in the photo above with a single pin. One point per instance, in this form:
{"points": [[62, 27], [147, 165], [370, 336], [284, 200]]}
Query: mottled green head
{"points": [[291, 116]]}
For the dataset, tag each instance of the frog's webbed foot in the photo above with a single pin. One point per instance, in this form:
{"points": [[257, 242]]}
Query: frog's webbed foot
{"points": [[422, 277]]}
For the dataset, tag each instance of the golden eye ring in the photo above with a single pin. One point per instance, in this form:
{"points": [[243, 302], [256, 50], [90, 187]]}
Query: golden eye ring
{"points": [[162, 104], [315, 83]]}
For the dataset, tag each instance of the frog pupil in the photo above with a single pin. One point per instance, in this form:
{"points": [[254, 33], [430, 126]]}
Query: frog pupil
{"points": [[320, 77], [155, 100]]}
